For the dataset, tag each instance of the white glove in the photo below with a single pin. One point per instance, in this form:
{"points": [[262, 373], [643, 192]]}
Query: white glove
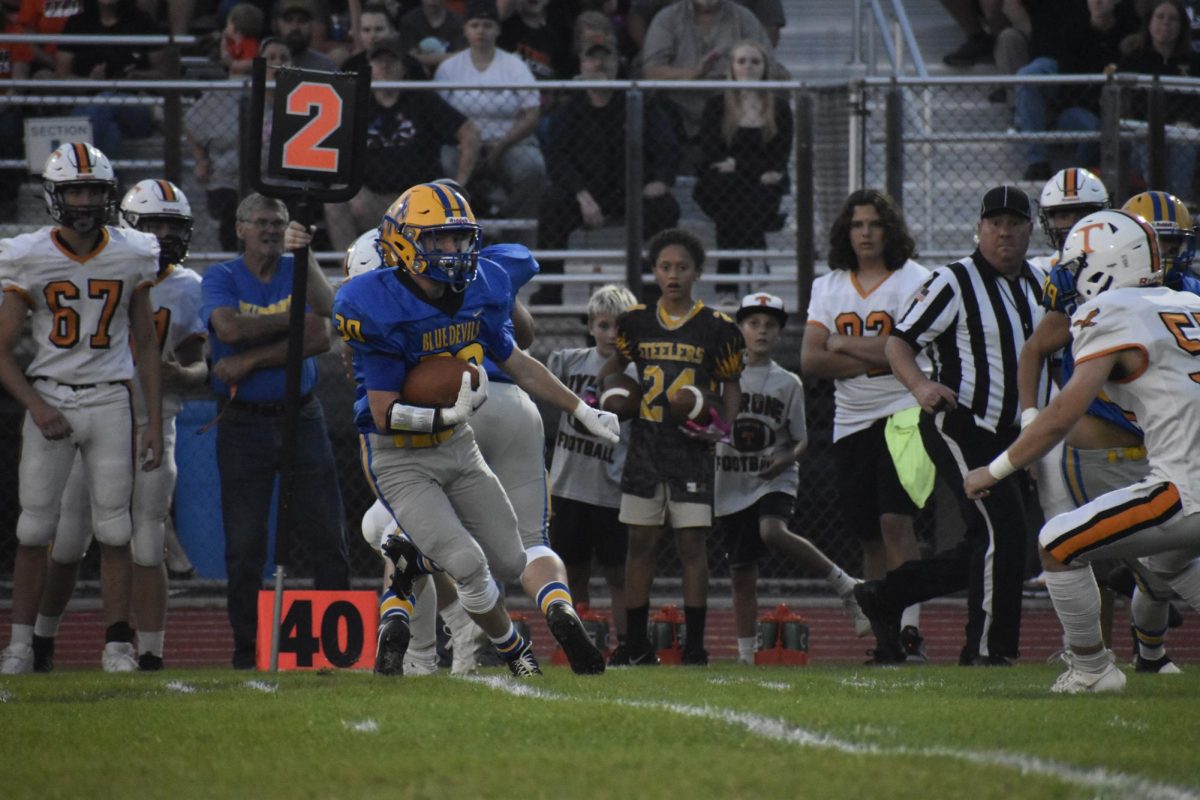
{"points": [[462, 407], [479, 396], [601, 424]]}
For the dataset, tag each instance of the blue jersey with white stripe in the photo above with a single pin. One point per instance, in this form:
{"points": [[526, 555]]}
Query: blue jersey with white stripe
{"points": [[521, 266], [391, 327]]}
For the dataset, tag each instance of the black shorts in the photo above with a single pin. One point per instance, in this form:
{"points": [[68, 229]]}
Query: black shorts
{"points": [[578, 529], [743, 540], [867, 481]]}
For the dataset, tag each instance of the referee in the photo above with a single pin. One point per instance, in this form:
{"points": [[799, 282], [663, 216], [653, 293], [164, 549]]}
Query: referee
{"points": [[973, 315]]}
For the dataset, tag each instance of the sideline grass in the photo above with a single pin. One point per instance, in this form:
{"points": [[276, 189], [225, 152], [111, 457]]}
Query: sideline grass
{"points": [[827, 732]]}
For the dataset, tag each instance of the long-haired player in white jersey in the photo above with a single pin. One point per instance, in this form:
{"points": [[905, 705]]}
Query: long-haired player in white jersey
{"points": [[1139, 343], [158, 207], [87, 286], [850, 315]]}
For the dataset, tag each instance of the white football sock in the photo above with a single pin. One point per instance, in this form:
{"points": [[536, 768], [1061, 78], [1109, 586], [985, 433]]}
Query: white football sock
{"points": [[746, 648], [46, 626], [841, 583], [151, 642], [1076, 600], [911, 616], [22, 634]]}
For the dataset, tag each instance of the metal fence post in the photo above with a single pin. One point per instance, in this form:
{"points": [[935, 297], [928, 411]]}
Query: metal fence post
{"points": [[172, 120], [894, 123], [1156, 138], [634, 171], [1110, 139], [805, 193]]}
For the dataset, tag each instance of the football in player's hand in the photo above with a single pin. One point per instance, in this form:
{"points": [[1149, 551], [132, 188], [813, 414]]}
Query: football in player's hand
{"points": [[691, 403], [621, 394], [435, 382]]}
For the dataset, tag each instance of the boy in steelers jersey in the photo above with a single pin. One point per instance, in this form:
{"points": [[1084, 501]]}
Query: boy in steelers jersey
{"points": [[668, 473], [442, 299]]}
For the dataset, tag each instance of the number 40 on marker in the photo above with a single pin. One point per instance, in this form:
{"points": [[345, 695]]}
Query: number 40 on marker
{"points": [[320, 630]]}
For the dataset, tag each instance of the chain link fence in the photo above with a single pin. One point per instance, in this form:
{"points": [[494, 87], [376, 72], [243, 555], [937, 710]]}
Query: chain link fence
{"points": [[937, 145]]}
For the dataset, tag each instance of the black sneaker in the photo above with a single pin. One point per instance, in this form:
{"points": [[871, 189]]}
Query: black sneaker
{"points": [[524, 664], [392, 645], [568, 631], [697, 657], [885, 624], [974, 50], [148, 662], [913, 643], [43, 653], [1159, 666], [620, 656], [642, 655]]}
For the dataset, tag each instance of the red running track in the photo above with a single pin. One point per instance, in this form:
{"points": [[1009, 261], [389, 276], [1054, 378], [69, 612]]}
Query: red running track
{"points": [[200, 636]]}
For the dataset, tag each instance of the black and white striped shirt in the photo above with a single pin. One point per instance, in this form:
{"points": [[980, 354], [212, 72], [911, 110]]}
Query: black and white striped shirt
{"points": [[977, 320]]}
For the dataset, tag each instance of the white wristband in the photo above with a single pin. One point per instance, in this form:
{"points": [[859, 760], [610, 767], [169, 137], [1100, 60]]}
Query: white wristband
{"points": [[1001, 467], [1028, 416], [410, 419]]}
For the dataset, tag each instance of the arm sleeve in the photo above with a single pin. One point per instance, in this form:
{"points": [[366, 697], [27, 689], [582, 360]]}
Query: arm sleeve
{"points": [[1101, 328], [818, 305], [931, 312], [516, 260], [626, 337], [727, 358]]}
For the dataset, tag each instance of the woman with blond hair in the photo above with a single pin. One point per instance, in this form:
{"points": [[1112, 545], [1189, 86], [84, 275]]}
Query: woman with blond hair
{"points": [[745, 142]]}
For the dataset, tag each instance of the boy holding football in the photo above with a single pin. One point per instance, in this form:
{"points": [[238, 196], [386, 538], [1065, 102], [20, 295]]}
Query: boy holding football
{"points": [[668, 473]]}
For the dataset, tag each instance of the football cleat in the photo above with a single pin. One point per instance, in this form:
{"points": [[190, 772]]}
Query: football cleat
{"points": [[1159, 666], [862, 625], [420, 662], [913, 643], [568, 631], [391, 646], [694, 657], [620, 656], [524, 664], [43, 653], [465, 645], [148, 662], [119, 657], [17, 659], [885, 624], [1077, 681], [404, 555], [642, 655]]}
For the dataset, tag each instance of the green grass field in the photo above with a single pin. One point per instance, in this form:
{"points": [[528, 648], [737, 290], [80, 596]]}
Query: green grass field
{"points": [[819, 732]]}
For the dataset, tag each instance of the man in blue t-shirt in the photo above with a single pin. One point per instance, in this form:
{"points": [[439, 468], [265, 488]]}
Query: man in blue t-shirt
{"points": [[246, 307]]}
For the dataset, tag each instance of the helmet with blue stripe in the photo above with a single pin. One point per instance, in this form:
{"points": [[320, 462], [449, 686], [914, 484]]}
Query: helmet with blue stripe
{"points": [[431, 231], [1170, 219]]}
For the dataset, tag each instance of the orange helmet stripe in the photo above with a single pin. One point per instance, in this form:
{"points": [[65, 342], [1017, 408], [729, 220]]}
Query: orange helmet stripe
{"points": [[168, 193], [1071, 183], [83, 159]]}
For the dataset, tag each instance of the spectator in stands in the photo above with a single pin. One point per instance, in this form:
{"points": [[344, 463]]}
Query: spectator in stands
{"points": [[980, 20], [1165, 48], [248, 336], [15, 61], [405, 133], [240, 38], [544, 46], [1087, 37], [106, 62], [212, 132], [294, 24], [431, 34], [642, 12], [510, 174], [179, 14], [745, 143], [593, 26], [691, 40], [47, 17], [585, 155], [374, 25]]}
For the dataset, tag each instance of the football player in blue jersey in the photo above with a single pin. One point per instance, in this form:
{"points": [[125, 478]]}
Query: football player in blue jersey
{"points": [[440, 298], [1104, 449]]}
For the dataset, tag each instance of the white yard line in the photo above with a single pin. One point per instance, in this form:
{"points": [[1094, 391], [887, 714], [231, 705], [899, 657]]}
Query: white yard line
{"points": [[779, 730]]}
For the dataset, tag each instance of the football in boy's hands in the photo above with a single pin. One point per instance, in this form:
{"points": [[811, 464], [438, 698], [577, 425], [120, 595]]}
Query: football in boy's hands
{"points": [[691, 404], [435, 382], [621, 394]]}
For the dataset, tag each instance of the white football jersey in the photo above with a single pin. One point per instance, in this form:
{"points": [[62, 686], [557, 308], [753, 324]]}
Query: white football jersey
{"points": [[839, 305], [80, 306], [585, 469], [176, 299], [1165, 396], [770, 421]]}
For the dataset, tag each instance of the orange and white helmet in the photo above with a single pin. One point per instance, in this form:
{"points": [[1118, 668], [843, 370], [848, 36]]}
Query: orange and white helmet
{"points": [[78, 164], [1071, 189], [161, 201], [1111, 250], [363, 255]]}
